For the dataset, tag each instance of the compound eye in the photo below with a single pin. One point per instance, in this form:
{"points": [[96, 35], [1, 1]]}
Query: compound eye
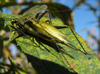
{"points": [[11, 20], [14, 20]]}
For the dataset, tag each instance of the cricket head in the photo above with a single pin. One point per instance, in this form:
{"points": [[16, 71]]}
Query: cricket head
{"points": [[15, 24], [14, 21]]}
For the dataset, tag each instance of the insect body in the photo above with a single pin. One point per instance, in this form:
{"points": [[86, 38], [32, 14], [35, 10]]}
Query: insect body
{"points": [[47, 30], [42, 28]]}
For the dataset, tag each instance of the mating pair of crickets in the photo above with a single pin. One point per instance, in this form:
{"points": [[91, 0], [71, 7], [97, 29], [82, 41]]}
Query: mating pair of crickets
{"points": [[40, 29]]}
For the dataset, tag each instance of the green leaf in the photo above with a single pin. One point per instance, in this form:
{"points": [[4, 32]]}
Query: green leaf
{"points": [[80, 62], [48, 53], [8, 18]]}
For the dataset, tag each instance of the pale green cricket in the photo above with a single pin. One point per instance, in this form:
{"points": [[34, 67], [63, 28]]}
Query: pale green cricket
{"points": [[40, 26]]}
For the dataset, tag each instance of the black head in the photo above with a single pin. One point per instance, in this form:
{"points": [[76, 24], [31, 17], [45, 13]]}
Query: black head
{"points": [[14, 21]]}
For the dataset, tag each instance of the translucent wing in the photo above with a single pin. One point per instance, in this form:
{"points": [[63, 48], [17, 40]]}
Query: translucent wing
{"points": [[31, 13]]}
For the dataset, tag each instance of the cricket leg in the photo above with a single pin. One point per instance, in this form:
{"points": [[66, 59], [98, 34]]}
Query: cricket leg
{"points": [[79, 41], [65, 58], [52, 53], [38, 16], [47, 21], [26, 36]]}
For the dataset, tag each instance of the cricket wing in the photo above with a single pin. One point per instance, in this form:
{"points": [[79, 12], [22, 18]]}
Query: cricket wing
{"points": [[31, 13]]}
